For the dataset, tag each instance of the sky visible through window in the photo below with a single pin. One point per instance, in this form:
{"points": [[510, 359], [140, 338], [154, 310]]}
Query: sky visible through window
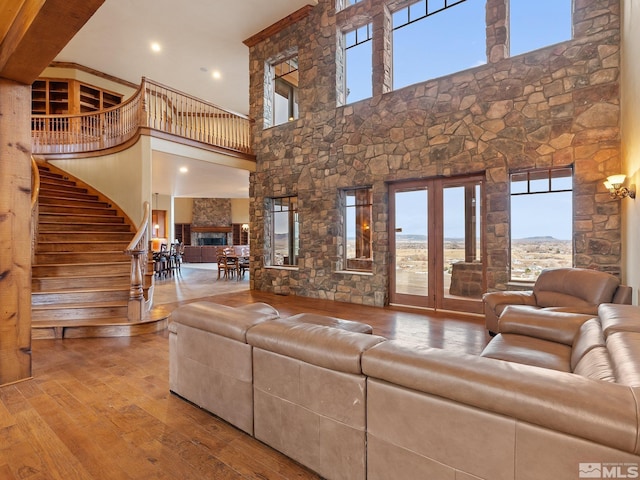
{"points": [[454, 40]]}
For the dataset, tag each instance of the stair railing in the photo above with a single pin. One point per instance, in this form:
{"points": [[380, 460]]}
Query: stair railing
{"points": [[137, 249], [153, 106], [35, 191]]}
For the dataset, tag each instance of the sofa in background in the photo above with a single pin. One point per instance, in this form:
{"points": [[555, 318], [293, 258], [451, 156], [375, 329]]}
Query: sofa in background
{"points": [[550, 392], [576, 290]]}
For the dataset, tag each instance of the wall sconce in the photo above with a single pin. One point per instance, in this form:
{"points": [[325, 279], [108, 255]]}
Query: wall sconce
{"points": [[617, 190], [245, 227]]}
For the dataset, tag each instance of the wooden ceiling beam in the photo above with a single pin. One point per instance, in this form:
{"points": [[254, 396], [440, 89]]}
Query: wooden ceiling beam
{"points": [[33, 32], [280, 25]]}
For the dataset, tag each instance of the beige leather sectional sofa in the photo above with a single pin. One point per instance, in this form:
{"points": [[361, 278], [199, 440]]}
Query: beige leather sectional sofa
{"points": [[550, 395]]}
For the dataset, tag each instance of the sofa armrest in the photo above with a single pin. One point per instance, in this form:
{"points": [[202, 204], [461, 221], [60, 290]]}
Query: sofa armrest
{"points": [[552, 325], [602, 412], [495, 302], [623, 295], [495, 299]]}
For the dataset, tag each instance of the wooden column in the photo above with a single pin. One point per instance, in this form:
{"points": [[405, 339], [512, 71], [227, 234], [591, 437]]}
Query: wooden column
{"points": [[32, 32], [15, 232]]}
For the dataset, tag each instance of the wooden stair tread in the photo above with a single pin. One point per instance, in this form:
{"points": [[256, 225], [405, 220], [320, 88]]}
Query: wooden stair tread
{"points": [[77, 305], [83, 290], [113, 321], [80, 242], [78, 264]]}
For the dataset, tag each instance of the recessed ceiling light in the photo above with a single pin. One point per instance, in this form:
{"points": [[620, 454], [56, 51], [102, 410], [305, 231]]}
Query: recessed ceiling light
{"points": [[216, 74], [155, 46], [184, 169]]}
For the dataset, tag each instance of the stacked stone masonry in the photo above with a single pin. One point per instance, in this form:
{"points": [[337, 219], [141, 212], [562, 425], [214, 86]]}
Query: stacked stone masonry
{"points": [[557, 106]]}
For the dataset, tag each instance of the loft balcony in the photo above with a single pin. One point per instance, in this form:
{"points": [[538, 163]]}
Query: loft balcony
{"points": [[155, 110]]}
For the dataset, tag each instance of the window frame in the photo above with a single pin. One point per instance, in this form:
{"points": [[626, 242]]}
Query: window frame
{"points": [[533, 26], [275, 82], [346, 46], [425, 14], [364, 210], [536, 175], [293, 230]]}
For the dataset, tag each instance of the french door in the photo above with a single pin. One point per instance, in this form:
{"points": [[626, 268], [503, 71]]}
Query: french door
{"points": [[436, 242]]}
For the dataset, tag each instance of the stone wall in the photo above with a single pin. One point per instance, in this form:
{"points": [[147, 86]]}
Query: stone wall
{"points": [[558, 106], [211, 212]]}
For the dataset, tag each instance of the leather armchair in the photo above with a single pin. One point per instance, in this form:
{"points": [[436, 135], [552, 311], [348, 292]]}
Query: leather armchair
{"points": [[575, 290]]}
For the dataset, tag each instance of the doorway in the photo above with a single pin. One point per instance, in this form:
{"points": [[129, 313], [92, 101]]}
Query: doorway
{"points": [[436, 244]]}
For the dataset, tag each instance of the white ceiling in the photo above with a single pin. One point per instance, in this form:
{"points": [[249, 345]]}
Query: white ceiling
{"points": [[197, 37]]}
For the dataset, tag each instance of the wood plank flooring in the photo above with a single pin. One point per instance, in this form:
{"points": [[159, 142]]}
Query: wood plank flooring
{"points": [[101, 408]]}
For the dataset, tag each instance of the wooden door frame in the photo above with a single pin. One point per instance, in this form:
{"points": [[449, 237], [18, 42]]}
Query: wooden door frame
{"points": [[435, 298]]}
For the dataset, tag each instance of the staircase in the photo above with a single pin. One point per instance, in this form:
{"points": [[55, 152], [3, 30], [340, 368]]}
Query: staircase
{"points": [[80, 273]]}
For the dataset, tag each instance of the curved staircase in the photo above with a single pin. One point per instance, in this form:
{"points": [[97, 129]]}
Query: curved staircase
{"points": [[80, 273]]}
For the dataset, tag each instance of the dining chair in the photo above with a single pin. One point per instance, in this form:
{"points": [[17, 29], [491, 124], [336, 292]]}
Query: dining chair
{"points": [[226, 265]]}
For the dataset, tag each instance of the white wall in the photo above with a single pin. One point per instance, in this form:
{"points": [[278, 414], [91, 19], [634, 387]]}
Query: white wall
{"points": [[630, 123], [183, 210], [125, 177], [240, 210]]}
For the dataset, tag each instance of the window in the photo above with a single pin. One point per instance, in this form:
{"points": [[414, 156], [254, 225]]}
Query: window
{"points": [[358, 215], [285, 91], [358, 64], [537, 24], [285, 241], [342, 4], [427, 46], [541, 222]]}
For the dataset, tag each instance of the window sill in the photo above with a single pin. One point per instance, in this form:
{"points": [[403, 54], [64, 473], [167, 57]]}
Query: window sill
{"points": [[354, 272], [281, 267]]}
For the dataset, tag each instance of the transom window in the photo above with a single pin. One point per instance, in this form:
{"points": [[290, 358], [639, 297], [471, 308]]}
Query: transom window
{"points": [[285, 235], [358, 67], [537, 24], [541, 221], [340, 4], [426, 45], [434, 38], [358, 215], [285, 91]]}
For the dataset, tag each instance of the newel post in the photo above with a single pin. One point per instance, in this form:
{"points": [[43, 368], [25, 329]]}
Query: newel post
{"points": [[136, 294], [137, 250]]}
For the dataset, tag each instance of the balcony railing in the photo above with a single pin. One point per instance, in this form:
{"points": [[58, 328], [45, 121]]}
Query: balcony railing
{"points": [[153, 106]]}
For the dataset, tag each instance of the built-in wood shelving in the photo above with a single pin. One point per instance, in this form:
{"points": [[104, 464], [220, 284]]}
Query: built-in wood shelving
{"points": [[62, 96]]}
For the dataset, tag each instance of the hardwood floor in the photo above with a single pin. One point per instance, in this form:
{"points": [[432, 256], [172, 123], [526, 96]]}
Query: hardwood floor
{"points": [[100, 408]]}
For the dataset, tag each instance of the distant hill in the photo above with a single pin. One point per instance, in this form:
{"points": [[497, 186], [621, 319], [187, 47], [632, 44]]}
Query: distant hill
{"points": [[547, 238]]}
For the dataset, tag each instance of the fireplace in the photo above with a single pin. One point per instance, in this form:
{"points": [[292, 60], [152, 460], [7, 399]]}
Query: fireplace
{"points": [[212, 240], [202, 236]]}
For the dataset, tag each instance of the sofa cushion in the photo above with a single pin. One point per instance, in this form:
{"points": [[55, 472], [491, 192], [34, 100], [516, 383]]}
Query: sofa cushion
{"points": [[589, 336], [624, 350], [596, 364], [331, 322], [320, 345], [545, 324], [231, 322], [574, 287], [619, 318], [529, 351]]}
